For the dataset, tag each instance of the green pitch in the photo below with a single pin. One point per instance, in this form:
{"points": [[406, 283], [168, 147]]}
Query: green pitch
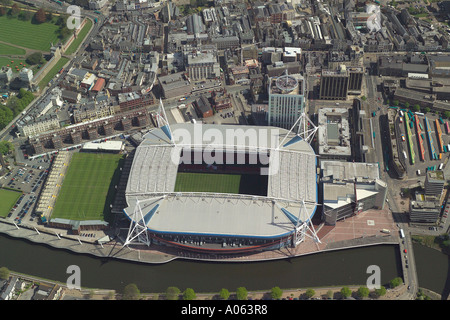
{"points": [[88, 187], [207, 182], [7, 200], [27, 34]]}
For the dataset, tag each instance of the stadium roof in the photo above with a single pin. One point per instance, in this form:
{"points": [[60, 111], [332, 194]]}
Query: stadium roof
{"points": [[291, 181]]}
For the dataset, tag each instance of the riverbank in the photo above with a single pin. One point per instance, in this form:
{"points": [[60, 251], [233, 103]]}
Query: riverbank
{"points": [[358, 231], [288, 294], [433, 242]]}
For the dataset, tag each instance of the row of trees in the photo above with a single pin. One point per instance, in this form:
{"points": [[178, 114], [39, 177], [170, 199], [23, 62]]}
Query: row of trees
{"points": [[417, 108], [15, 11], [131, 292]]}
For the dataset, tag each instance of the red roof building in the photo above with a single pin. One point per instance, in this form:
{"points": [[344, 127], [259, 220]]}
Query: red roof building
{"points": [[99, 85]]}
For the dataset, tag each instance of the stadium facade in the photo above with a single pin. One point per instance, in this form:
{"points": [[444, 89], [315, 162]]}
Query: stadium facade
{"points": [[222, 222]]}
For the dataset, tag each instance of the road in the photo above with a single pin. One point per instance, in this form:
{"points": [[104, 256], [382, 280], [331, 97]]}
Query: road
{"points": [[374, 103]]}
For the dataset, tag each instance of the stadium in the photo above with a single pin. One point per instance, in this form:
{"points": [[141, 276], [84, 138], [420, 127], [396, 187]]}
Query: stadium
{"points": [[221, 188]]}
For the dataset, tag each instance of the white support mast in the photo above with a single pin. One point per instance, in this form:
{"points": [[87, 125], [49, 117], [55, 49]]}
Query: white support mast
{"points": [[162, 122], [306, 129], [302, 228], [137, 232]]}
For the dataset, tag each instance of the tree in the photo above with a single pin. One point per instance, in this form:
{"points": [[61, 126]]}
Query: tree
{"points": [[131, 292], [4, 273], [172, 293], [416, 108], [189, 294], [363, 292], [346, 292], [406, 105], [224, 294], [310, 293], [427, 109], [40, 16], [396, 103], [111, 295], [34, 58], [241, 293], [330, 294], [396, 282], [380, 291], [15, 10], [6, 147], [24, 16], [6, 116], [447, 114], [276, 293], [64, 32]]}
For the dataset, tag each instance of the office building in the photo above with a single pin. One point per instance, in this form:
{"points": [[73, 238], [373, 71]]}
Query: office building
{"points": [[286, 100], [434, 183], [201, 65], [334, 84]]}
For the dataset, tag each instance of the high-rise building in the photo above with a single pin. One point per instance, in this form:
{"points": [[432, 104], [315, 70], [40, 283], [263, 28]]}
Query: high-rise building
{"points": [[434, 183], [355, 79], [334, 84], [286, 100]]}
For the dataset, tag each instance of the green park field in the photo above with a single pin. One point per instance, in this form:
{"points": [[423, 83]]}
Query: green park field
{"points": [[10, 50], [7, 200], [76, 43], [28, 35], [207, 182], [88, 187]]}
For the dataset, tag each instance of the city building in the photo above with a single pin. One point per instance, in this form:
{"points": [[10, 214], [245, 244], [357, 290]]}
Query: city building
{"points": [[434, 183], [286, 100], [424, 211], [334, 84], [334, 133], [201, 65], [350, 188], [203, 107], [174, 85]]}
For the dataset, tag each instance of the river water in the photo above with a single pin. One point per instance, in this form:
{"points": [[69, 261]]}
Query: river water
{"points": [[334, 268], [433, 269]]}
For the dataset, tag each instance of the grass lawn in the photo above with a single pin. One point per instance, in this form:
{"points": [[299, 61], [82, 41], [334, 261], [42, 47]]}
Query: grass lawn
{"points": [[88, 187], [76, 43], [5, 61], [49, 76], [27, 34], [207, 182], [10, 50], [7, 200]]}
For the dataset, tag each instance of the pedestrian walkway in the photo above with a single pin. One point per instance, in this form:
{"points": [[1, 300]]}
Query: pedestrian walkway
{"points": [[363, 229]]}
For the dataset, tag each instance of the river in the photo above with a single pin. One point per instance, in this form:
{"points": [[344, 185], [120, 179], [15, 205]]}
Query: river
{"points": [[334, 268], [433, 269]]}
